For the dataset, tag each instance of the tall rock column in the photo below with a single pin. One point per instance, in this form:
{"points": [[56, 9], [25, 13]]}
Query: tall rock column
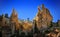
{"points": [[43, 18], [38, 19], [14, 19]]}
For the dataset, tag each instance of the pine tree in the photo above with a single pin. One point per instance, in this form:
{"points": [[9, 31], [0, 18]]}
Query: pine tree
{"points": [[35, 27]]}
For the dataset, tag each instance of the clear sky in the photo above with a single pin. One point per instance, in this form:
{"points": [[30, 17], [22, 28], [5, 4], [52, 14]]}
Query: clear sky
{"points": [[29, 8]]}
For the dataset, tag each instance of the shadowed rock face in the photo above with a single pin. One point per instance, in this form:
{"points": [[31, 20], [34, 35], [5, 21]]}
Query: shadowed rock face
{"points": [[27, 26], [59, 22], [3, 20], [43, 18]]}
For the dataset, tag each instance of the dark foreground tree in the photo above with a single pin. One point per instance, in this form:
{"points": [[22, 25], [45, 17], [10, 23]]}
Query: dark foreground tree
{"points": [[0, 34]]}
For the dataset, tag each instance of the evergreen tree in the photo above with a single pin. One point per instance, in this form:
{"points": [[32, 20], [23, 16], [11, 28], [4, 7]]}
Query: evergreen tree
{"points": [[6, 15], [51, 25], [35, 27]]}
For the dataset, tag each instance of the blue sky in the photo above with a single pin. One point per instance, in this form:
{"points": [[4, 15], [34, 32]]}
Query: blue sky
{"points": [[29, 8]]}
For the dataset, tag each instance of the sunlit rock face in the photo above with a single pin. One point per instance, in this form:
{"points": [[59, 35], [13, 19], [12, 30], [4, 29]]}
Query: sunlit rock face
{"points": [[51, 34], [54, 33], [27, 26], [43, 18], [14, 19]]}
